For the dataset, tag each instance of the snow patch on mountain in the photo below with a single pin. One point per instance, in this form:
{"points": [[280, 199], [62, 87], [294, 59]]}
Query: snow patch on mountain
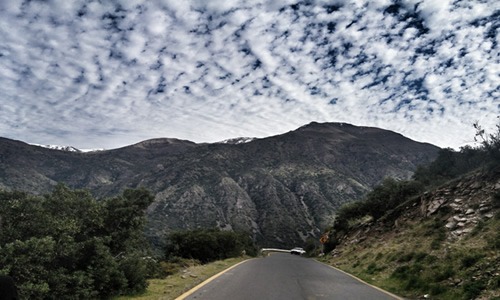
{"points": [[239, 140], [67, 148]]}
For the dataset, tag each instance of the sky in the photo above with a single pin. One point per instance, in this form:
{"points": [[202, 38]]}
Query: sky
{"points": [[106, 74]]}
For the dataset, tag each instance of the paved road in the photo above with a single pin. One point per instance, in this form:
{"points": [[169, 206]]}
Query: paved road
{"points": [[286, 276]]}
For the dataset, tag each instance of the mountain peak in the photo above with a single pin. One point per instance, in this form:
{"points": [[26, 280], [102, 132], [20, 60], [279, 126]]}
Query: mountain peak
{"points": [[60, 148], [67, 148], [238, 140]]}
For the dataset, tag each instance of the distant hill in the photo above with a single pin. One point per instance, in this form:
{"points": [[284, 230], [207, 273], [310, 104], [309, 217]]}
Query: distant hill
{"points": [[283, 189]]}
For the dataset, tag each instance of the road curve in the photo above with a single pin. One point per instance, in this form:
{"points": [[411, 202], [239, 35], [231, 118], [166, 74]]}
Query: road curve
{"points": [[285, 276]]}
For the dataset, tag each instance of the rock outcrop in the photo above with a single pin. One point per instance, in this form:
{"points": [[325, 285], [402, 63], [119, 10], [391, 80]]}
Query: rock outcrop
{"points": [[466, 202]]}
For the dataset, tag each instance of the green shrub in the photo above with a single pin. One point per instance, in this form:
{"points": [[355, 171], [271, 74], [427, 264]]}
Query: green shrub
{"points": [[472, 289], [66, 244], [420, 256], [494, 241], [406, 257], [440, 237], [478, 228], [451, 164], [411, 277], [496, 200], [208, 245], [387, 196], [135, 271], [490, 143], [469, 260], [495, 283], [392, 257], [436, 244], [415, 282], [373, 268], [443, 273], [401, 272], [430, 259], [437, 289]]}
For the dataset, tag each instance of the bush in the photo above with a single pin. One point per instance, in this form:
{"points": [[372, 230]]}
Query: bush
{"points": [[436, 289], [450, 164], [383, 198], [442, 274], [415, 282], [208, 245], [472, 289], [490, 143], [401, 272], [420, 256], [496, 200], [406, 257], [135, 271], [68, 245], [373, 268], [493, 242], [470, 260]]}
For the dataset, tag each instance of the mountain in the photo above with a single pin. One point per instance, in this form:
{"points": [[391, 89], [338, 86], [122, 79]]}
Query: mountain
{"points": [[67, 148], [283, 189], [239, 140], [58, 147]]}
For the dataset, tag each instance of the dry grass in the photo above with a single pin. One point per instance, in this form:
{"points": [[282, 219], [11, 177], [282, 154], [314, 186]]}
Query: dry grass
{"points": [[175, 285], [411, 265]]}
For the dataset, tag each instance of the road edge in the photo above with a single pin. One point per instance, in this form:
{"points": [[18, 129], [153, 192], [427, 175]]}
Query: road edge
{"points": [[361, 280], [206, 281]]}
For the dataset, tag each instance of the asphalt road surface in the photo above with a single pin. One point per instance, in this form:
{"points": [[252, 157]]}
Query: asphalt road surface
{"points": [[285, 276]]}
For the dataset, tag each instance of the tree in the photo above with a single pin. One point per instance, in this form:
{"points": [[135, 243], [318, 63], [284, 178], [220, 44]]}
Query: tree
{"points": [[69, 245], [490, 142]]}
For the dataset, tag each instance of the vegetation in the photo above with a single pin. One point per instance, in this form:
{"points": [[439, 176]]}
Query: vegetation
{"points": [[452, 164], [189, 275], [387, 195], [69, 245], [419, 257], [448, 165], [408, 264], [208, 245], [490, 142]]}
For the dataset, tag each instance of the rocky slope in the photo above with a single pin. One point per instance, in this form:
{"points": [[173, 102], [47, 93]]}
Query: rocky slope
{"points": [[282, 189], [443, 244]]}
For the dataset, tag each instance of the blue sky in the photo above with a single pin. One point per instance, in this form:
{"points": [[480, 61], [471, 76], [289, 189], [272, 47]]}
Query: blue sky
{"points": [[110, 74]]}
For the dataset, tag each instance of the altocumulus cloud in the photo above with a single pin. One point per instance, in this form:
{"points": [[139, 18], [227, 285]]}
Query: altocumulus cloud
{"points": [[111, 73]]}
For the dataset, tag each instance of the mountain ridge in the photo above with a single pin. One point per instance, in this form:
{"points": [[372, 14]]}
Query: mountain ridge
{"points": [[281, 189]]}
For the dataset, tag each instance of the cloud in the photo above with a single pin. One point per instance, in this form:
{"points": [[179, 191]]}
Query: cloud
{"points": [[108, 74]]}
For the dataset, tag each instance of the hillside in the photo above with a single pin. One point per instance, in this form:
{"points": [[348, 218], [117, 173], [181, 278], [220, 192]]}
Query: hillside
{"points": [[282, 189], [444, 244]]}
